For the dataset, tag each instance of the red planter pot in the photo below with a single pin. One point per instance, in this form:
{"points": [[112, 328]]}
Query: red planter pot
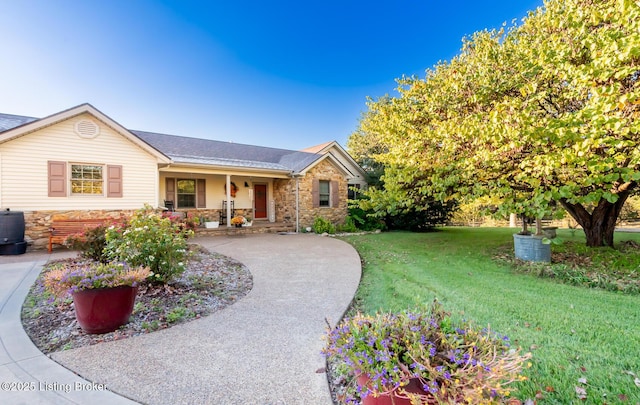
{"points": [[390, 398], [103, 310]]}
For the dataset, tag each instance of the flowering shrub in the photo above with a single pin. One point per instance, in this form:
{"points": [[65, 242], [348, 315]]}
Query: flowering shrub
{"points": [[91, 243], [448, 363], [150, 240], [239, 220], [191, 221], [68, 278]]}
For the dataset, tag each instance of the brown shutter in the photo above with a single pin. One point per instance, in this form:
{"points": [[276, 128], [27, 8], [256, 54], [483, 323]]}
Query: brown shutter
{"points": [[315, 193], [201, 194], [114, 181], [170, 191], [57, 172], [335, 194]]}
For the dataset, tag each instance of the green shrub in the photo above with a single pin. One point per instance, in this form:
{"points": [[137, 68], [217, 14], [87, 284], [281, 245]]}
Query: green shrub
{"points": [[421, 219], [150, 240], [349, 225], [365, 219], [321, 225]]}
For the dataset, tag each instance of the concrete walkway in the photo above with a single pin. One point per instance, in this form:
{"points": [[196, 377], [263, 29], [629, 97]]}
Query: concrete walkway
{"points": [[264, 349]]}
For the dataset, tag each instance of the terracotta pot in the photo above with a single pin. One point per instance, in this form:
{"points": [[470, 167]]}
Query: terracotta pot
{"points": [[391, 398], [103, 310]]}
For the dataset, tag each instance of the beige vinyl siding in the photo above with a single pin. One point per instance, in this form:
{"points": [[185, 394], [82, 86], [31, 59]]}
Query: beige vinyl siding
{"points": [[24, 168], [358, 178]]}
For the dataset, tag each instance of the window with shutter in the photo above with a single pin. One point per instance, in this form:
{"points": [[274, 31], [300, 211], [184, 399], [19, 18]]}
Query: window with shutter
{"points": [[325, 193]]}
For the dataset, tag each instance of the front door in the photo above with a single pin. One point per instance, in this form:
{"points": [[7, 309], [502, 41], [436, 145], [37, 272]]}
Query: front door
{"points": [[260, 192]]}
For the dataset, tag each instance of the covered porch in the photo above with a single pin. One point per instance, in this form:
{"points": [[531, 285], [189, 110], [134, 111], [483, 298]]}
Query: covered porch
{"points": [[213, 195]]}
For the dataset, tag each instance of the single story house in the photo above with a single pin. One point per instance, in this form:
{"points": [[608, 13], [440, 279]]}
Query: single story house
{"points": [[80, 163]]}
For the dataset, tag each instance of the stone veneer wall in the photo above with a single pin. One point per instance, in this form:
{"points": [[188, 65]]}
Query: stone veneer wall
{"points": [[284, 194], [38, 223]]}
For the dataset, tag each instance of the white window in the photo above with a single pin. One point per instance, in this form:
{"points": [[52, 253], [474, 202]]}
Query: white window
{"points": [[87, 179], [186, 193], [325, 193]]}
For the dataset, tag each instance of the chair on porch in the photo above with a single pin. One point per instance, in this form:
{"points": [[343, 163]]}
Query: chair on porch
{"points": [[223, 211], [168, 204]]}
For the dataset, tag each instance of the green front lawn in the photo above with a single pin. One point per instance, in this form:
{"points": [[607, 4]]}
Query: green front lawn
{"points": [[581, 338]]}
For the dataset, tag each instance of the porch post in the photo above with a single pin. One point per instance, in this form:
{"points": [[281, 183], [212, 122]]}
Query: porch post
{"points": [[228, 200], [297, 203]]}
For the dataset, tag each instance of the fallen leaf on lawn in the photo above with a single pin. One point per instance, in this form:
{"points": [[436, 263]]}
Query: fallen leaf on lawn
{"points": [[637, 381], [582, 393], [529, 401], [533, 347], [583, 369], [539, 395], [582, 380], [622, 397], [549, 388]]}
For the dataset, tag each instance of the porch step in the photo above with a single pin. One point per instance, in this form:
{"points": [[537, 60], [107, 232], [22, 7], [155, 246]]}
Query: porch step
{"points": [[265, 227]]}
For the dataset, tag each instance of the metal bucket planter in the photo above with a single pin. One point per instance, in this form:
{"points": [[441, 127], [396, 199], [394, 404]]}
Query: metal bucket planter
{"points": [[530, 248], [103, 310]]}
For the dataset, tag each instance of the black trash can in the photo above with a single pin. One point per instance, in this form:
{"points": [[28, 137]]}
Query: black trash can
{"points": [[12, 233]]}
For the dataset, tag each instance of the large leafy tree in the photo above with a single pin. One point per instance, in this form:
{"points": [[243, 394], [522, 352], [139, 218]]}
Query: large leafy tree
{"points": [[541, 113]]}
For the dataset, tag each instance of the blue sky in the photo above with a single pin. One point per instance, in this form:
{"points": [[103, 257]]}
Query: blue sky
{"points": [[283, 73]]}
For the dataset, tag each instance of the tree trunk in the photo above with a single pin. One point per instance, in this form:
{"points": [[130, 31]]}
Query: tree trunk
{"points": [[600, 224]]}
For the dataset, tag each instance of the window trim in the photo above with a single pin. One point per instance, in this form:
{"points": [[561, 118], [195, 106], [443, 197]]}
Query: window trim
{"points": [[102, 167], [327, 194], [195, 193], [171, 191]]}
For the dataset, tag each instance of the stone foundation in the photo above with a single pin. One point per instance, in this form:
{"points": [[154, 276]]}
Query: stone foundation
{"points": [[38, 223]]}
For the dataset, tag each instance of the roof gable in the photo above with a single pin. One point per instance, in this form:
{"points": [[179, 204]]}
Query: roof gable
{"points": [[25, 125], [342, 156]]}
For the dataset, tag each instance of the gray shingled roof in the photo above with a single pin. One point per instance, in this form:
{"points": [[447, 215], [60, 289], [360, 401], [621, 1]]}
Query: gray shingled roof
{"points": [[8, 121], [183, 149], [194, 150]]}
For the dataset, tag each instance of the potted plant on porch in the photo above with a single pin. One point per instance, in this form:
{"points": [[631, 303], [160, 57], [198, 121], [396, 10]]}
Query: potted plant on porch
{"points": [[103, 293], [210, 223], [238, 221]]}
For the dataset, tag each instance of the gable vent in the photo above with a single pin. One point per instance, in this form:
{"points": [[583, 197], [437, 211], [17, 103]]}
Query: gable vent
{"points": [[87, 129]]}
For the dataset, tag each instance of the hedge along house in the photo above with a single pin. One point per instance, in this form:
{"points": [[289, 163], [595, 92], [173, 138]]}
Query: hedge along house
{"points": [[79, 163]]}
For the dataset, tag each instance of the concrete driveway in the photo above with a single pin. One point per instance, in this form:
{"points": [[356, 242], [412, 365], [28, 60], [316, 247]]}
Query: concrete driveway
{"points": [[264, 349]]}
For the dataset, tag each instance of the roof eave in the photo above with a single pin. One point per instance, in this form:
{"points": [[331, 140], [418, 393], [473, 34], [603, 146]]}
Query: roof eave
{"points": [[203, 166]]}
